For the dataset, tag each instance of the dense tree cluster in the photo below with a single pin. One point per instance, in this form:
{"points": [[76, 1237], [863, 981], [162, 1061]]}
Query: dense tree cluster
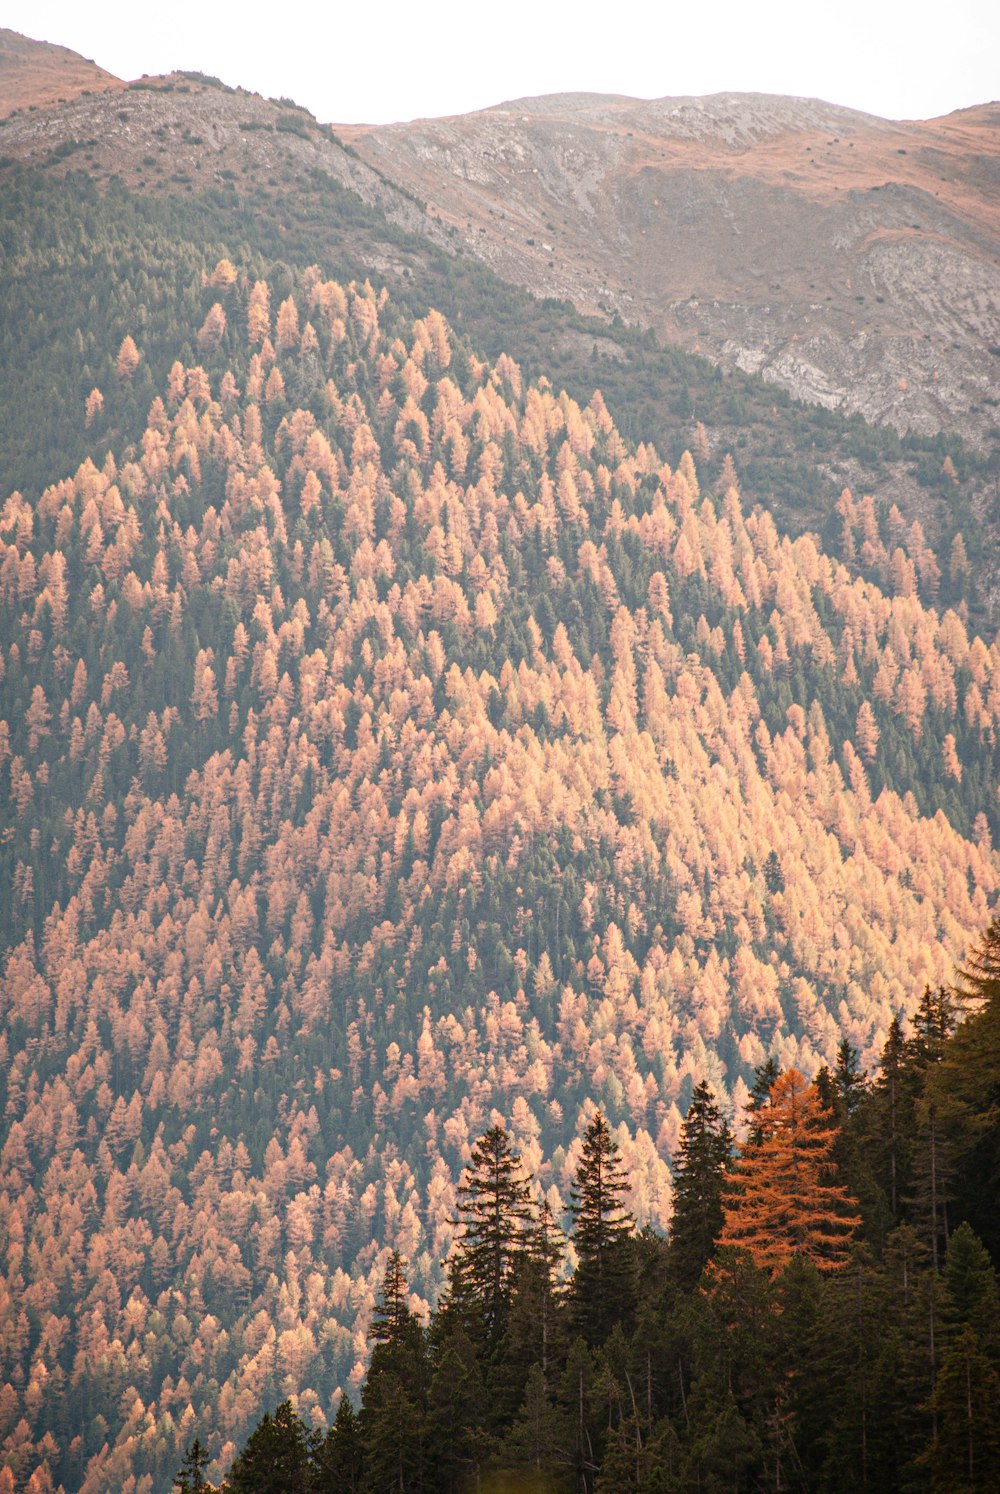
{"points": [[394, 752], [86, 267], [810, 1346]]}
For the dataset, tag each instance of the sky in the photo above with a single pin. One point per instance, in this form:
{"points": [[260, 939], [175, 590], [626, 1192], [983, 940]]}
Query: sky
{"points": [[396, 59]]}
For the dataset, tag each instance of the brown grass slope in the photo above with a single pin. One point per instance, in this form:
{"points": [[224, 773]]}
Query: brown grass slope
{"points": [[36, 73]]}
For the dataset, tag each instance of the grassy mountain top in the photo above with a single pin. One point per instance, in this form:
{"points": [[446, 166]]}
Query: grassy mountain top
{"points": [[36, 74]]}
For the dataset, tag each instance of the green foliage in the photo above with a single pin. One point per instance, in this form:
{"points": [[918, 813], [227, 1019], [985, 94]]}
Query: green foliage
{"points": [[603, 1287], [275, 1460], [495, 1211], [703, 1154]]}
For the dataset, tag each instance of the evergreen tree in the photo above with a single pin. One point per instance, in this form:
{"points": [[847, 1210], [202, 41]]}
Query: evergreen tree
{"points": [[536, 1322], [703, 1154], [276, 1458], [602, 1289], [978, 982], [764, 1076], [970, 1280], [964, 1456], [393, 1402], [456, 1413], [965, 1088], [889, 1130], [339, 1458], [495, 1211], [933, 1023], [191, 1478], [849, 1080], [536, 1447]]}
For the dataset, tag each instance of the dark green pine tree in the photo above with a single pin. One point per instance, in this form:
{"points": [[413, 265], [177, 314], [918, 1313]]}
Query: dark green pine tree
{"points": [[602, 1292], [338, 1461], [456, 1411], [978, 981], [703, 1153], [539, 1444], [933, 1023], [495, 1212], [965, 1454], [849, 1080], [933, 1153], [889, 1122], [965, 1086], [276, 1458], [972, 1293], [394, 1399], [191, 1478], [536, 1327]]}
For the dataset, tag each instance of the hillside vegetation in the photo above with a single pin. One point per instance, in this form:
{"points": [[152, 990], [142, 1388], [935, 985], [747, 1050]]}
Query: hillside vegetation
{"points": [[823, 1316], [88, 260], [391, 748]]}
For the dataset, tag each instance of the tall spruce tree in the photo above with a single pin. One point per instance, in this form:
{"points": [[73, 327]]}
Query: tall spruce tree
{"points": [[495, 1211], [703, 1154], [889, 1124], [764, 1076], [849, 1080], [602, 1291], [394, 1399], [338, 1462], [536, 1327], [965, 1087], [191, 1477], [276, 1458]]}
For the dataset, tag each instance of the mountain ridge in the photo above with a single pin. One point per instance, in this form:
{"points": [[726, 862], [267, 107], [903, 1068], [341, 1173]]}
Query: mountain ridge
{"points": [[230, 152], [855, 261]]}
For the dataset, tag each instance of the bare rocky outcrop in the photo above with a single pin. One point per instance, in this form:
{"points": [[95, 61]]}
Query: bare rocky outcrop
{"points": [[853, 260]]}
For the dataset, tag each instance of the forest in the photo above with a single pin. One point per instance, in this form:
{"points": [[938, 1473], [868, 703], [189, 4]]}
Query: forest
{"points": [[392, 751], [821, 1316]]}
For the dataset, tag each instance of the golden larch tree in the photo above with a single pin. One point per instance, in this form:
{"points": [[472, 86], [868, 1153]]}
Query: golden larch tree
{"points": [[781, 1200], [128, 359]]}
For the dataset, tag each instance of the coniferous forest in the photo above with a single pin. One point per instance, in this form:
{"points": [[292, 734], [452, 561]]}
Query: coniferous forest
{"points": [[433, 825], [823, 1315]]}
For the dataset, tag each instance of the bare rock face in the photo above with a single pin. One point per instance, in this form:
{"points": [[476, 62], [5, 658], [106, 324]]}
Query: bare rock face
{"points": [[854, 261], [35, 73]]}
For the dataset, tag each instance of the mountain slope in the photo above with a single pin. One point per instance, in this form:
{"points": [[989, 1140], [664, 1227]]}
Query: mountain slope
{"points": [[174, 164], [390, 744], [852, 260], [34, 74]]}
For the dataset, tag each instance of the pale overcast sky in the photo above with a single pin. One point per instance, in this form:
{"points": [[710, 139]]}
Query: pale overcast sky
{"points": [[903, 59]]}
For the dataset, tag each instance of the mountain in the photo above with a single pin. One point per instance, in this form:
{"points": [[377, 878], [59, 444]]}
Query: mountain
{"points": [[391, 745], [853, 261], [397, 734], [34, 74], [185, 159]]}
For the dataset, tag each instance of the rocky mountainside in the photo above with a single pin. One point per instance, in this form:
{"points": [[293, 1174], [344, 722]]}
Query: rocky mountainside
{"points": [[35, 73], [228, 166], [852, 260]]}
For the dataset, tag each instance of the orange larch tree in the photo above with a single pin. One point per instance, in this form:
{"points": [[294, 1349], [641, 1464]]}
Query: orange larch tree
{"points": [[781, 1199]]}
